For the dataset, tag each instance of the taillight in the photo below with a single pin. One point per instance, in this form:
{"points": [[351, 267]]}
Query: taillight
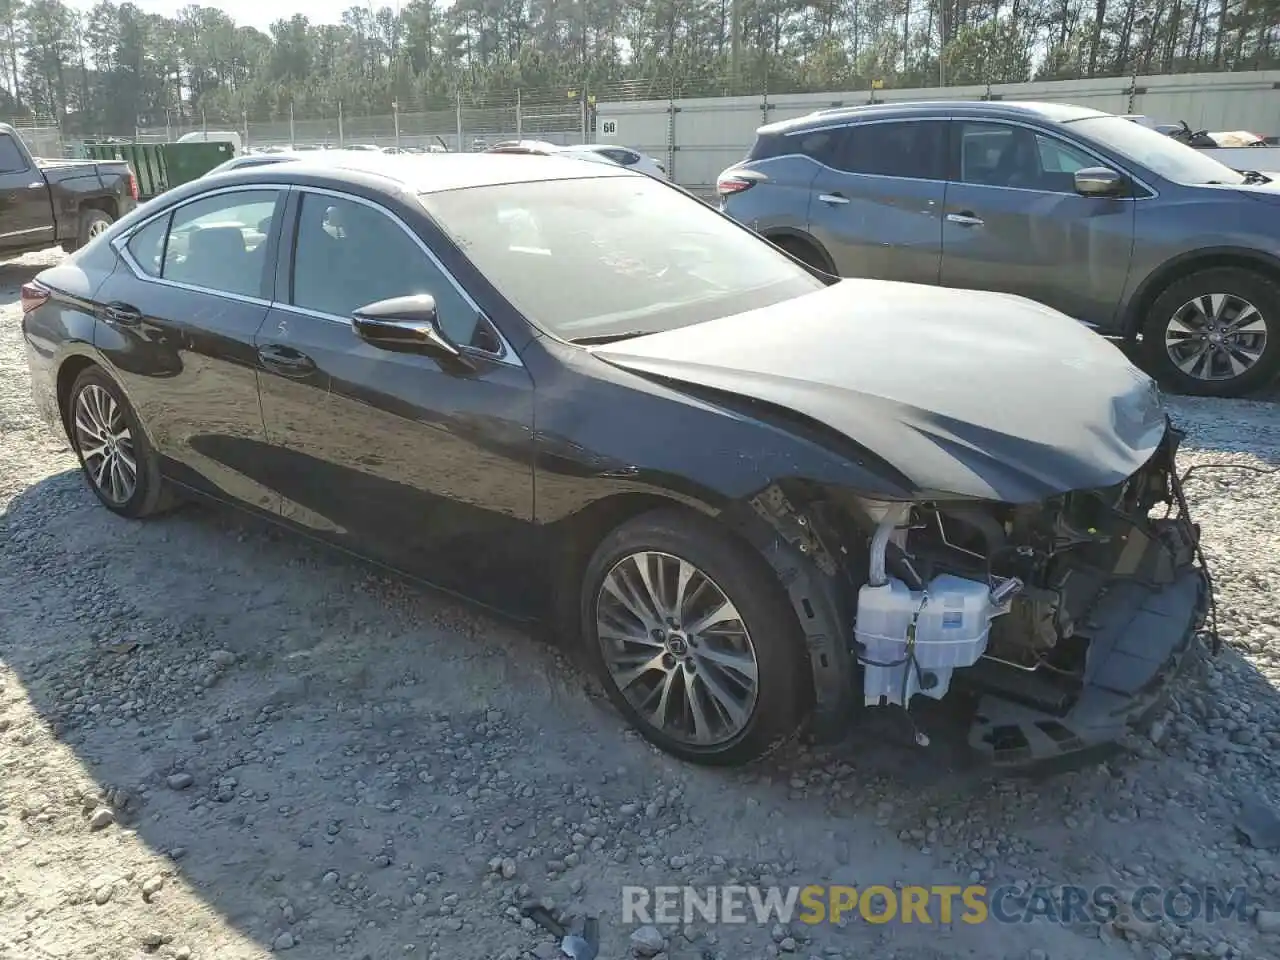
{"points": [[729, 185], [33, 295], [133, 184]]}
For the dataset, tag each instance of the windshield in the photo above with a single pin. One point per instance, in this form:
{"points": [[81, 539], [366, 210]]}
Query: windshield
{"points": [[1158, 153], [603, 256]]}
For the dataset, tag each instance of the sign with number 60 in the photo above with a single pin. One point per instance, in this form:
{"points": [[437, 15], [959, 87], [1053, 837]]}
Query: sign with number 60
{"points": [[609, 128]]}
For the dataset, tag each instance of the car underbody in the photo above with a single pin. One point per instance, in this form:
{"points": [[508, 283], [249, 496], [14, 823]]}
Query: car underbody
{"points": [[1089, 602]]}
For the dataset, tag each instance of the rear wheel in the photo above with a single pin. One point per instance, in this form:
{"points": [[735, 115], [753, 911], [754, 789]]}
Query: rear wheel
{"points": [[694, 639], [92, 223], [1215, 333], [117, 461]]}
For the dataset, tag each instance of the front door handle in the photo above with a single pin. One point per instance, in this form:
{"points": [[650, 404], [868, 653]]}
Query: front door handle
{"points": [[965, 219], [834, 199], [125, 314], [285, 360]]}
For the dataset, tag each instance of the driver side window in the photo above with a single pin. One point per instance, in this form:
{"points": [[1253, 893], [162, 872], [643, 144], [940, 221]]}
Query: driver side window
{"points": [[349, 254]]}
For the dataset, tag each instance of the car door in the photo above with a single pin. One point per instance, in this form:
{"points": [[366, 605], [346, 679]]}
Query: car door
{"points": [[876, 203], [394, 455], [1014, 222], [177, 319], [26, 212]]}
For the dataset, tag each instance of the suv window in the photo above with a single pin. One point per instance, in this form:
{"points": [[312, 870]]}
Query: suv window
{"points": [[1002, 155], [815, 145], [913, 149], [220, 243], [1058, 157], [11, 158], [349, 255]]}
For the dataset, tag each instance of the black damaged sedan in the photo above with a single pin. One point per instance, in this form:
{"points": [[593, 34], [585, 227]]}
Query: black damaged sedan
{"points": [[755, 495]]}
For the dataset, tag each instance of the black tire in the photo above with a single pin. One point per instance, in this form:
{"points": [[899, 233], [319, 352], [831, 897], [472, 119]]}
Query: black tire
{"points": [[92, 222], [149, 494], [1175, 303], [803, 251], [748, 583]]}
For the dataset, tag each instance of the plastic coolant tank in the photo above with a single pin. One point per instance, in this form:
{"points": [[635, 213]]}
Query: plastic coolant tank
{"points": [[952, 619]]}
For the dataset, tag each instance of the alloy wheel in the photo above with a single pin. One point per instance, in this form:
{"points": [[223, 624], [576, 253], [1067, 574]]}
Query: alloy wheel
{"points": [[98, 227], [1216, 336], [677, 649], [105, 443]]}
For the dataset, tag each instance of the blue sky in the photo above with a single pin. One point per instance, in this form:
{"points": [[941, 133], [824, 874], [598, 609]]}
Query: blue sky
{"points": [[253, 13]]}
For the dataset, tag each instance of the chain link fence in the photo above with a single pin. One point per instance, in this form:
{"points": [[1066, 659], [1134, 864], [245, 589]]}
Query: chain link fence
{"points": [[465, 122], [41, 134]]}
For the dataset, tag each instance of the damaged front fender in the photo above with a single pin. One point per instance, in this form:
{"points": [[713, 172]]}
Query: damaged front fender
{"points": [[1071, 615]]}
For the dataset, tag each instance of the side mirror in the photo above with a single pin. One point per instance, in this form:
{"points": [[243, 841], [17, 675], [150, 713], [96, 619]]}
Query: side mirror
{"points": [[1099, 182], [409, 325]]}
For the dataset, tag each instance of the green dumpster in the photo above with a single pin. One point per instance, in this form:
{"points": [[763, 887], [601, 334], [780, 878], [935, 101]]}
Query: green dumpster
{"points": [[185, 162], [145, 159], [162, 166]]}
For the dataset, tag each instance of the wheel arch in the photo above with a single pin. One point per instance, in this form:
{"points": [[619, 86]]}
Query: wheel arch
{"points": [[1207, 258], [106, 204], [778, 535], [70, 367], [68, 371], [795, 234]]}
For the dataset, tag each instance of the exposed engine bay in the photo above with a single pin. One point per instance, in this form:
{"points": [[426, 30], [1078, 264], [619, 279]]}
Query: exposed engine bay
{"points": [[1062, 620]]}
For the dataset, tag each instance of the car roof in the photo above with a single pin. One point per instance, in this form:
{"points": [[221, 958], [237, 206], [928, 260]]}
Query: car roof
{"points": [[992, 109], [428, 173]]}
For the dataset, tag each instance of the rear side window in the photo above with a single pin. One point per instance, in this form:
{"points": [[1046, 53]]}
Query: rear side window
{"points": [[913, 149], [147, 245], [816, 145]]}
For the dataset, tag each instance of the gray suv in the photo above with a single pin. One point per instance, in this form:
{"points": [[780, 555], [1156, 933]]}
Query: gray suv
{"points": [[1105, 220]]}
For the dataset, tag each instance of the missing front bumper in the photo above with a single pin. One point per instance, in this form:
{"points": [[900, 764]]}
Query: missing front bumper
{"points": [[1141, 641]]}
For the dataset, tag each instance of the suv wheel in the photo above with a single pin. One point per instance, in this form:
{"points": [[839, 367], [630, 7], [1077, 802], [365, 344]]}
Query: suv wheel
{"points": [[1215, 333]]}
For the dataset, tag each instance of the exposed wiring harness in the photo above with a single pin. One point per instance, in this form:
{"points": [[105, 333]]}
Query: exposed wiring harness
{"points": [[1214, 637], [920, 738]]}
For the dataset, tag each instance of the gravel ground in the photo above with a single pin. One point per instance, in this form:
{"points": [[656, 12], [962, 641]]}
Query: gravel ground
{"points": [[217, 740]]}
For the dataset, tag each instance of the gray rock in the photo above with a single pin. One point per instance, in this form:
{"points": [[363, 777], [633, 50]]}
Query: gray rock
{"points": [[179, 781], [1267, 921], [285, 941], [101, 818], [647, 941]]}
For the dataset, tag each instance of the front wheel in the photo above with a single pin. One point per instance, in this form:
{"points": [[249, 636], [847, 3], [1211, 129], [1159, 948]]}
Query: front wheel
{"points": [[117, 461], [694, 639], [1215, 333]]}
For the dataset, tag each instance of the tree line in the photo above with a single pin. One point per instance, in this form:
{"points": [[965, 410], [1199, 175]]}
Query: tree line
{"points": [[114, 67]]}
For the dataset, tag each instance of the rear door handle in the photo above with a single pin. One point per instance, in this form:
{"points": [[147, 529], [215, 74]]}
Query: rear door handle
{"points": [[123, 313], [833, 198], [965, 219], [285, 360]]}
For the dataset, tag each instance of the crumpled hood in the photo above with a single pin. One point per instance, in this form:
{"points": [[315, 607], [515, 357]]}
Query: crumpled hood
{"points": [[968, 393]]}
